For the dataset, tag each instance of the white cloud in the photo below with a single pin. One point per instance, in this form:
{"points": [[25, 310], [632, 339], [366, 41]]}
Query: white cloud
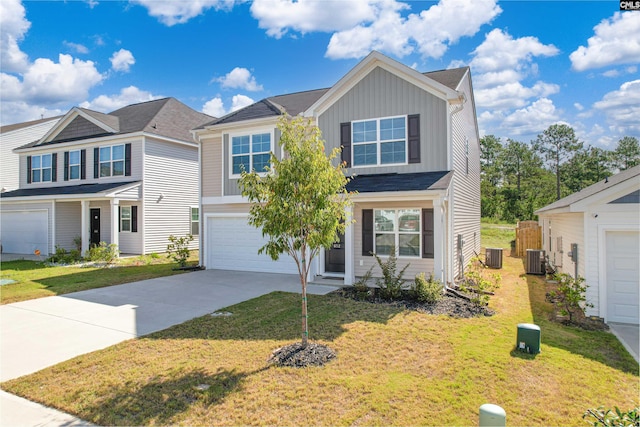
{"points": [[13, 27], [78, 48], [512, 95], [19, 111], [532, 119], [578, 106], [240, 78], [615, 41], [172, 12], [214, 107], [622, 108], [127, 96], [240, 101], [430, 32], [122, 60]]}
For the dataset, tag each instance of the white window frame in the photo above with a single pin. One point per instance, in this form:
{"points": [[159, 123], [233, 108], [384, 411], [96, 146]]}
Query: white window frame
{"points": [[41, 169], [251, 152], [378, 142], [129, 220], [192, 222], [396, 232], [72, 165], [111, 161]]}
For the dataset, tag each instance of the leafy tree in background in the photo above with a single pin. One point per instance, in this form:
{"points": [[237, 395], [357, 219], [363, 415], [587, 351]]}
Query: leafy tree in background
{"points": [[558, 143], [627, 153], [588, 166], [491, 176], [300, 204]]}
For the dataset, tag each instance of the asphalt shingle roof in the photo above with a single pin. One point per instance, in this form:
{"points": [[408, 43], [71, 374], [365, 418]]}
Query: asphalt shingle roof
{"points": [[65, 190], [418, 181], [450, 78], [16, 126]]}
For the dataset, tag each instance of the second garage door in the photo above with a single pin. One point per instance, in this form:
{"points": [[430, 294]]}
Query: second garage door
{"points": [[24, 232], [623, 278], [232, 244]]}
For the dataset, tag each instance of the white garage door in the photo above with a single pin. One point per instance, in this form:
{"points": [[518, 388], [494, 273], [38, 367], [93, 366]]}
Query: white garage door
{"points": [[623, 277], [232, 244], [24, 232]]}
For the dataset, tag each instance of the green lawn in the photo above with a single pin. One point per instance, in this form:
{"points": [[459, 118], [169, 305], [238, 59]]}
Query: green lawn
{"points": [[394, 367], [35, 279], [497, 235]]}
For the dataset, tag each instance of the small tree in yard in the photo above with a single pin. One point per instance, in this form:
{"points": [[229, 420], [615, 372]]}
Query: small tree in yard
{"points": [[299, 204]]}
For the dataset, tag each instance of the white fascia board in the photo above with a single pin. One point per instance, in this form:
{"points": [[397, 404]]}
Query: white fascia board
{"points": [[115, 191], [111, 139], [399, 196], [224, 200], [607, 195], [215, 129], [191, 144]]}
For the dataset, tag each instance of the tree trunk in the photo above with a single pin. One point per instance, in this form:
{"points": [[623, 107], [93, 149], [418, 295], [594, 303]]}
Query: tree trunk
{"points": [[305, 325]]}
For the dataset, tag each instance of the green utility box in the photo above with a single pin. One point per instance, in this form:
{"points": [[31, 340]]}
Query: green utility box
{"points": [[528, 338]]}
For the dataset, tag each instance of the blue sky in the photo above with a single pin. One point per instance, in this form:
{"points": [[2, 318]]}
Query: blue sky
{"points": [[533, 63]]}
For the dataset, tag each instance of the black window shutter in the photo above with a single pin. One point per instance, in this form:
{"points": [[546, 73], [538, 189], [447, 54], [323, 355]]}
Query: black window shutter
{"points": [[345, 141], [83, 164], [134, 219], [28, 169], [54, 167], [96, 162], [119, 218], [413, 135], [367, 232], [127, 159], [66, 166], [427, 233]]}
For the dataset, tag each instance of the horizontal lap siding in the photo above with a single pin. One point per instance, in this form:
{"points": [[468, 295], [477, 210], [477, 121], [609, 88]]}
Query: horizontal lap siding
{"points": [[68, 224], [171, 170], [226, 209], [105, 218], [382, 94], [130, 242], [416, 265], [211, 170]]}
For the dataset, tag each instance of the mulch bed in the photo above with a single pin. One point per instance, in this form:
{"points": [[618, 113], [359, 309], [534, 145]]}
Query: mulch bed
{"points": [[298, 356]]}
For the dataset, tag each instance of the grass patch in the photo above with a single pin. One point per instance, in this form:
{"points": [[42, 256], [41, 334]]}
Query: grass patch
{"points": [[394, 367], [34, 279], [497, 235]]}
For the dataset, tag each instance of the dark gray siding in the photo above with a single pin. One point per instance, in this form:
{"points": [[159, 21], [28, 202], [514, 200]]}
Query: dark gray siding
{"points": [[382, 94]]}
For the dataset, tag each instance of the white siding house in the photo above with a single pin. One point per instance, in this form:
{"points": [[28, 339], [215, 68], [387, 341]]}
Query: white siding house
{"points": [[602, 224]]}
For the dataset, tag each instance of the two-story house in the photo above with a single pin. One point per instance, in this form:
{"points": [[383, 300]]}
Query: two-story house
{"points": [[129, 177], [410, 140]]}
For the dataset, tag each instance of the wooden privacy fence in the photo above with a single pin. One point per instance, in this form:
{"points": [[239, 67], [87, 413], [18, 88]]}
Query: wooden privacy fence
{"points": [[528, 236]]}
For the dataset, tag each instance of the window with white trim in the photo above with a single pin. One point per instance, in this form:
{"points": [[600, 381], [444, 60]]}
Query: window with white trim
{"points": [[195, 221], [125, 218], [250, 152], [74, 164], [379, 141], [399, 228], [41, 168], [112, 161]]}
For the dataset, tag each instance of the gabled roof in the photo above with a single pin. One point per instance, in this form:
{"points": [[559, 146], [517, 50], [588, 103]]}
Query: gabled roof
{"points": [[69, 190], [592, 190], [165, 117], [450, 78], [18, 126], [418, 181]]}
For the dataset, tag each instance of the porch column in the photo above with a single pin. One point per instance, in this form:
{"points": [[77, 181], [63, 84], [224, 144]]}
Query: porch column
{"points": [[349, 259], [115, 222], [84, 226], [439, 241]]}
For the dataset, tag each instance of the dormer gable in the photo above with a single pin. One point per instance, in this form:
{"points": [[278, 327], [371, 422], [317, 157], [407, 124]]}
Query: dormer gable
{"points": [[81, 123]]}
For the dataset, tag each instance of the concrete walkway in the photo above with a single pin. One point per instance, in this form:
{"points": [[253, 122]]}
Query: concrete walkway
{"points": [[46, 331], [629, 336]]}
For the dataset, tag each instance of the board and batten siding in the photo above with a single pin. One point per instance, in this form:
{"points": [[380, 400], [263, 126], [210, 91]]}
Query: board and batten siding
{"points": [[466, 181], [383, 94], [416, 265], [10, 170], [136, 164], [7, 206], [68, 224], [170, 190], [211, 166]]}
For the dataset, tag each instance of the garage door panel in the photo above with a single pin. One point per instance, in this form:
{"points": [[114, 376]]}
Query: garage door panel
{"points": [[24, 232], [233, 244], [623, 277]]}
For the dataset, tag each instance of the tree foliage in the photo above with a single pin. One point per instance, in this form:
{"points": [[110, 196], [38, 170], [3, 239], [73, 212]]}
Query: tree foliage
{"points": [[300, 201]]}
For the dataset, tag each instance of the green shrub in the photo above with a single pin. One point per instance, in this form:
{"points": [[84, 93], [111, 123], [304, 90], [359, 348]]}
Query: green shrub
{"points": [[391, 283], [103, 253], [608, 418], [569, 296], [178, 249], [361, 287], [428, 291], [62, 256], [478, 285]]}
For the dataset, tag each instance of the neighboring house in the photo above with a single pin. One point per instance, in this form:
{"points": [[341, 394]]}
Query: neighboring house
{"points": [[601, 225], [129, 178], [410, 139], [14, 136]]}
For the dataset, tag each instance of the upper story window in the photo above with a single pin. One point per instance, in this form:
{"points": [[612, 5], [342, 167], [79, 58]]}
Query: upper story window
{"points": [[250, 152], [74, 164], [112, 161], [399, 228], [41, 168], [380, 141]]}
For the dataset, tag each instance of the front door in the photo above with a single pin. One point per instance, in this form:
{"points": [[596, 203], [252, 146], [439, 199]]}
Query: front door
{"points": [[334, 257], [95, 226]]}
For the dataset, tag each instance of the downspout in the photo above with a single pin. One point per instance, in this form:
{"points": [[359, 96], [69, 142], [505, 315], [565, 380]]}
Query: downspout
{"points": [[196, 138]]}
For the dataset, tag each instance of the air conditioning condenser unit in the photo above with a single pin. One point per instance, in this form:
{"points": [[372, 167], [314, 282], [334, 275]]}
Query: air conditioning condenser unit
{"points": [[535, 261], [493, 257]]}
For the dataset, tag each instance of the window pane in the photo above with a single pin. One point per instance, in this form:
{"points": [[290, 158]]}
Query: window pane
{"points": [[105, 154], [126, 225], [392, 129], [195, 228], [46, 161], [409, 245], [392, 152], [118, 152], [384, 243], [195, 214], [364, 131], [260, 161], [409, 220], [261, 144], [74, 172], [46, 175], [118, 168], [35, 162], [74, 157], [105, 169], [384, 220], [240, 145], [238, 162], [365, 154], [125, 212], [35, 175]]}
